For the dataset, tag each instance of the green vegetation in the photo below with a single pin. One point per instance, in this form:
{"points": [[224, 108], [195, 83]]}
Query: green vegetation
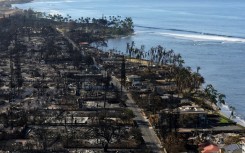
{"points": [[85, 29], [58, 50], [224, 120]]}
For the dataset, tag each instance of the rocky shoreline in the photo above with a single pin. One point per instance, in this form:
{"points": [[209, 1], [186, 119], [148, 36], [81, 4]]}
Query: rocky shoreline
{"points": [[8, 3], [6, 7]]}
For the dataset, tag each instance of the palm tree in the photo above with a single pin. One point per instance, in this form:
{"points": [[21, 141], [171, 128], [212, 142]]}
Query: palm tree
{"points": [[131, 49], [198, 79], [221, 98], [127, 48], [142, 51], [232, 109], [68, 17], [165, 57], [198, 68], [159, 53], [211, 93], [183, 79], [179, 60], [81, 20], [170, 54], [152, 55]]}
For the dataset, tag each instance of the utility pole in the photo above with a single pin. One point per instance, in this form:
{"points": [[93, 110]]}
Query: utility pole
{"points": [[12, 90], [106, 81], [123, 73]]}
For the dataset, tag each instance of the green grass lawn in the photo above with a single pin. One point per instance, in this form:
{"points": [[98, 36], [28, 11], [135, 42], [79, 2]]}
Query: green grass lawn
{"points": [[224, 120]]}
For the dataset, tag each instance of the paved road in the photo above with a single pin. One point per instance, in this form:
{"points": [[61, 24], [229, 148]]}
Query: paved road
{"points": [[75, 46], [149, 135]]}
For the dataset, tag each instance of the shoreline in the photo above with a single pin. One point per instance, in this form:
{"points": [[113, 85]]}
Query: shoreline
{"points": [[8, 3], [222, 111], [236, 118], [10, 11], [219, 110], [6, 8], [66, 86]]}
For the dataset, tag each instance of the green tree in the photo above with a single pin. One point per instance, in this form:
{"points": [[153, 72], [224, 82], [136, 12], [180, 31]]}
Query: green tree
{"points": [[211, 93], [221, 98]]}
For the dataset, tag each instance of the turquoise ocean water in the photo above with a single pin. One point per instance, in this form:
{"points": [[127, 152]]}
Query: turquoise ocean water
{"points": [[209, 34]]}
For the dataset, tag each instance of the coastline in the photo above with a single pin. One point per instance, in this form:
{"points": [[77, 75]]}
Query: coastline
{"points": [[10, 11], [239, 121], [6, 7], [219, 110], [8, 3], [58, 103], [224, 111]]}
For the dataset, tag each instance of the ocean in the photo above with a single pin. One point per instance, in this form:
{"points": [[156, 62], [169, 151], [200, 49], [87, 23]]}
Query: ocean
{"points": [[209, 34]]}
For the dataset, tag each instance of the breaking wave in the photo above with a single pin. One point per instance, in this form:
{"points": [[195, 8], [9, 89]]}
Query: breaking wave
{"points": [[55, 2], [53, 12], [205, 37], [195, 35]]}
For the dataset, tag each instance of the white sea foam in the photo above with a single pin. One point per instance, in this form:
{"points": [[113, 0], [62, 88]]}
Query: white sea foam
{"points": [[196, 37], [225, 110], [54, 2], [49, 2], [140, 32], [69, 1], [53, 12]]}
